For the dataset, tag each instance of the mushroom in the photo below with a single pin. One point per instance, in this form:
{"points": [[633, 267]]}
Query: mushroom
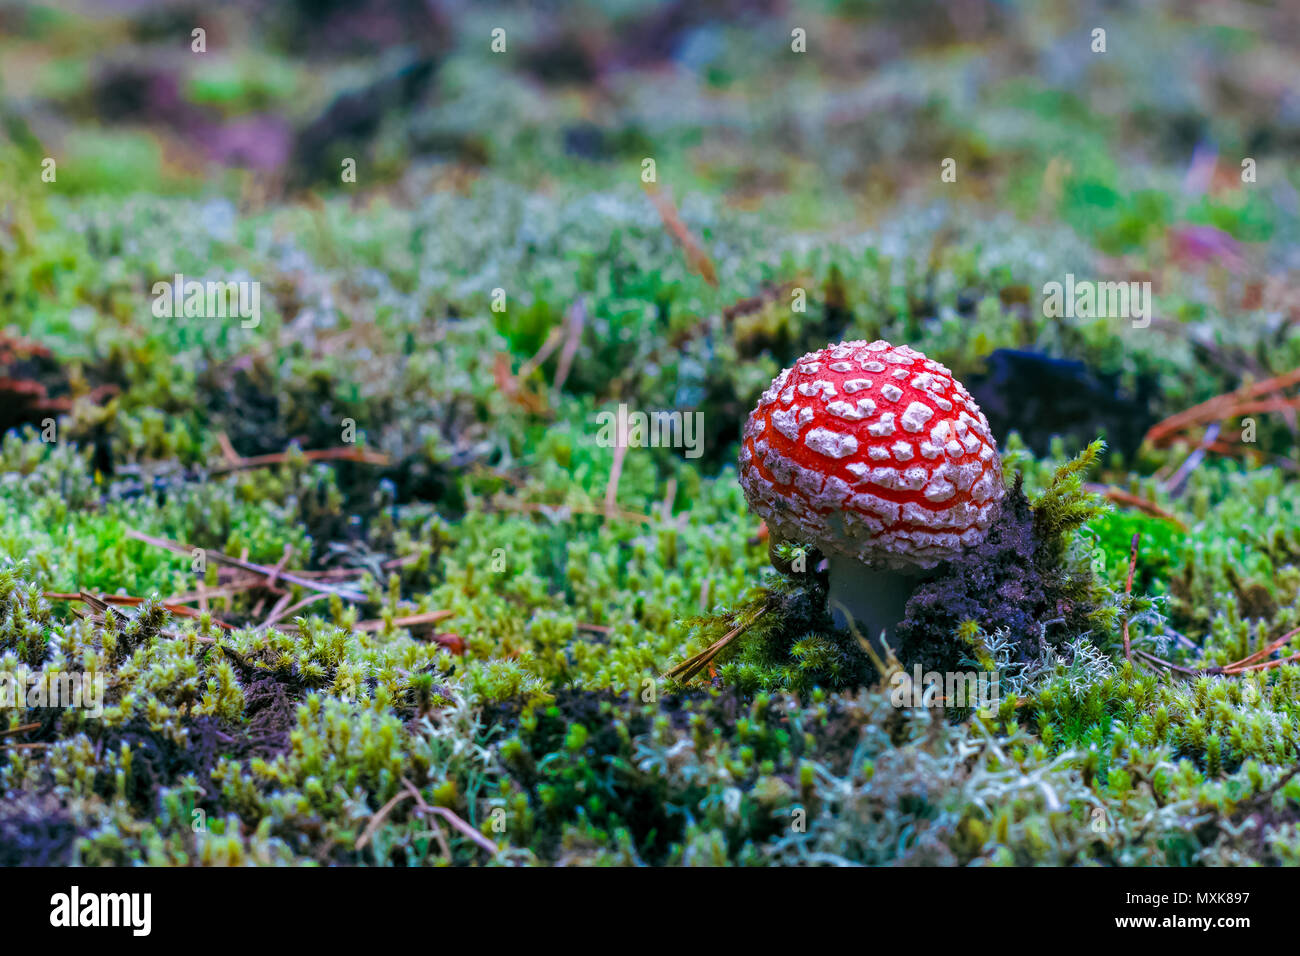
{"points": [[878, 457]]}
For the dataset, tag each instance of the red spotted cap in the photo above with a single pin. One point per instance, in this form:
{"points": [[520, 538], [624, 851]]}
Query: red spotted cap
{"points": [[874, 452]]}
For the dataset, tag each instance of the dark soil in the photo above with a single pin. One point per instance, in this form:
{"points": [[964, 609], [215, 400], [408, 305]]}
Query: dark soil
{"points": [[1008, 581]]}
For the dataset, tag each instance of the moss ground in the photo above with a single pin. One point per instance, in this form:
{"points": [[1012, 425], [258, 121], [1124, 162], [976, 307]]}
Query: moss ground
{"points": [[497, 277]]}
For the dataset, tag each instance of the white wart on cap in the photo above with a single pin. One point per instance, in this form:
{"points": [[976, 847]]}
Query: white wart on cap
{"points": [[873, 452]]}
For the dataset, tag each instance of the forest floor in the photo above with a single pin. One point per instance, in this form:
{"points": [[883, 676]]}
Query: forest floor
{"points": [[361, 584]]}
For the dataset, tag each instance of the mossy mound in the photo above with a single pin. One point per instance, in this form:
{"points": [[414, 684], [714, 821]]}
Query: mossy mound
{"points": [[1029, 583], [1025, 580]]}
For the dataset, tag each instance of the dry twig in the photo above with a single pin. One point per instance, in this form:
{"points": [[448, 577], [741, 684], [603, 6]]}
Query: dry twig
{"points": [[696, 257], [342, 453], [124, 601], [410, 621], [1128, 589], [688, 668], [1128, 499], [347, 594], [1242, 401]]}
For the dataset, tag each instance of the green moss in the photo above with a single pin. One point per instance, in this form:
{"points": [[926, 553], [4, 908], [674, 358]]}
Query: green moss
{"points": [[553, 735]]}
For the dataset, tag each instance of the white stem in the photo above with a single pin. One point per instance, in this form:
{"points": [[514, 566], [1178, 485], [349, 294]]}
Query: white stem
{"points": [[874, 600]]}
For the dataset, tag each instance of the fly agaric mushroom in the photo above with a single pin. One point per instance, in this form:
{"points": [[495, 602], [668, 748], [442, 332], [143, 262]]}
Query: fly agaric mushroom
{"points": [[877, 456]]}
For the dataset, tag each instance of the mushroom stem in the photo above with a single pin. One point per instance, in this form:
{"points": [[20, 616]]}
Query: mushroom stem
{"points": [[875, 600]]}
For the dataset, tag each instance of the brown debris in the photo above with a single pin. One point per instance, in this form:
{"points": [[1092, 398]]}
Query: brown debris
{"points": [[696, 257], [1121, 497], [1128, 588], [1263, 396], [28, 373], [410, 622], [348, 594], [343, 453], [513, 387], [688, 668], [756, 303], [124, 601]]}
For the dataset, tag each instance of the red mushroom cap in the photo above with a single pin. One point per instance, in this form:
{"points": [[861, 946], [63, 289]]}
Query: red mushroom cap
{"points": [[874, 452]]}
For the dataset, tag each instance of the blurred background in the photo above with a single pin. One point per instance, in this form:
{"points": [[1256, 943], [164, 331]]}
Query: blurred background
{"points": [[520, 168]]}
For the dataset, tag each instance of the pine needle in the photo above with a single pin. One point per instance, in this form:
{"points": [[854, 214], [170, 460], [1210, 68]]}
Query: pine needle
{"points": [[688, 668]]}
